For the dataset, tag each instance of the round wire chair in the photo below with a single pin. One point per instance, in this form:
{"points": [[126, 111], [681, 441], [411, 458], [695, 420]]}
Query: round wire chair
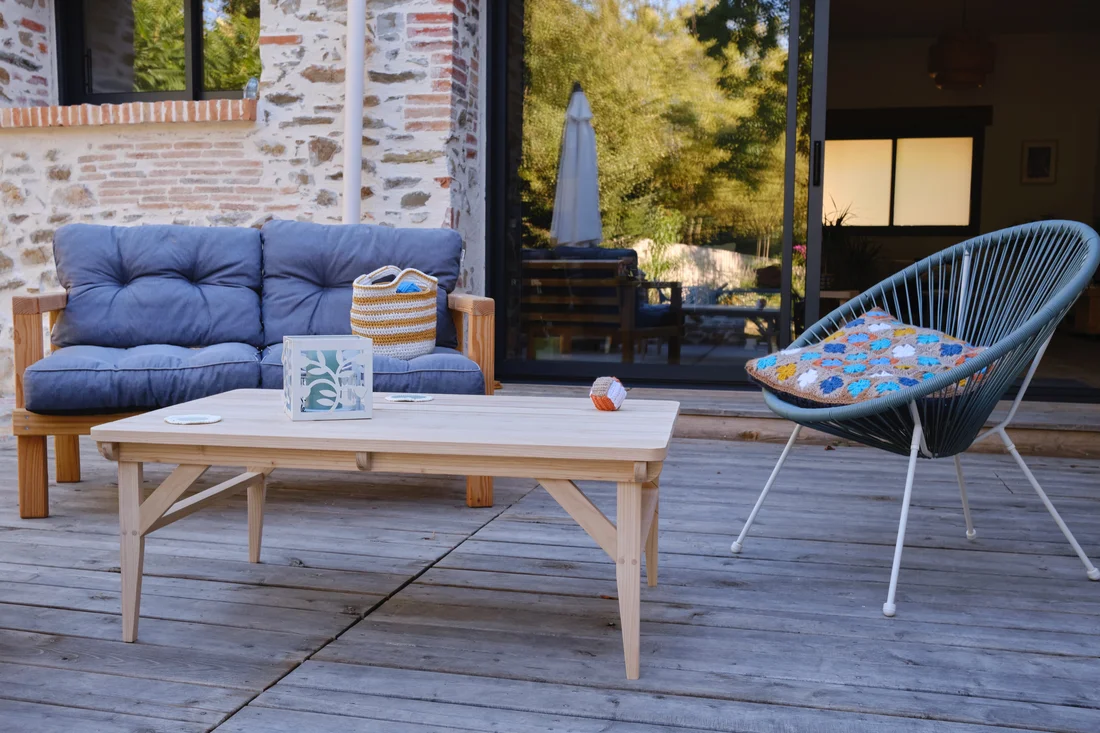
{"points": [[1006, 291]]}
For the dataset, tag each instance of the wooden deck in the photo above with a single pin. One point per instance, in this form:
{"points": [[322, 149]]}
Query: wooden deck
{"points": [[385, 605]]}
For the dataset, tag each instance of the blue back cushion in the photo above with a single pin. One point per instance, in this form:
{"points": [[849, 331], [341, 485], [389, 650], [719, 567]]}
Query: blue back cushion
{"points": [[309, 269], [185, 286]]}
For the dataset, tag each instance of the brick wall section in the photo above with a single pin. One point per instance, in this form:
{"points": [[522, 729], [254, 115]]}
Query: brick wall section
{"points": [[26, 66], [286, 164], [130, 113]]}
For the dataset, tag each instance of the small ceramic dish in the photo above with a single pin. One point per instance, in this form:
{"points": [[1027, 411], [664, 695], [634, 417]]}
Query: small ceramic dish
{"points": [[192, 419], [409, 398]]}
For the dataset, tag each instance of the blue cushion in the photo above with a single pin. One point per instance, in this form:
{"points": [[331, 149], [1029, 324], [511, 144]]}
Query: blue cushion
{"points": [[309, 269], [654, 315], [97, 379], [187, 286], [444, 371]]}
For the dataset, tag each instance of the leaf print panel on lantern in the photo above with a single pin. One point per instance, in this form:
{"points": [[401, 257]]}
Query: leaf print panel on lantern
{"points": [[327, 377]]}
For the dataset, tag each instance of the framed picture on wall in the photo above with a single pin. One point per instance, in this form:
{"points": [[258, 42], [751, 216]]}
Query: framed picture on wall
{"points": [[1039, 161]]}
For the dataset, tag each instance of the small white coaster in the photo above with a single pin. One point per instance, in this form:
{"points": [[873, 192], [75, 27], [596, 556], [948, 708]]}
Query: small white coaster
{"points": [[409, 398], [192, 419]]}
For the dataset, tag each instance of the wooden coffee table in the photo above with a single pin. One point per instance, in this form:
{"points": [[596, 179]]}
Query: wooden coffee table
{"points": [[554, 440]]}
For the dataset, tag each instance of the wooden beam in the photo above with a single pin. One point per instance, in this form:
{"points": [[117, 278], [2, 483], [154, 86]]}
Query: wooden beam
{"points": [[583, 511], [36, 303], [27, 338], [31, 423], [192, 504], [66, 451], [362, 461], [627, 556], [172, 488], [649, 507], [479, 491], [32, 471], [330, 460], [109, 451], [476, 305], [131, 547], [257, 498]]}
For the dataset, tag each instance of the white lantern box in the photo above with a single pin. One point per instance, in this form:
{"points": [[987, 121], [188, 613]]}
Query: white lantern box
{"points": [[327, 377]]}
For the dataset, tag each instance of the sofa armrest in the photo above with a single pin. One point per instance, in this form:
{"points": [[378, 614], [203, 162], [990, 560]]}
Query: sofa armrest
{"points": [[475, 322], [33, 303], [475, 305], [27, 313]]}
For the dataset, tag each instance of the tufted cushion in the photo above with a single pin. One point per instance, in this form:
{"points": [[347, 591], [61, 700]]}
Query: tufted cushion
{"points": [[309, 269], [444, 371], [871, 356], [187, 286], [97, 379]]}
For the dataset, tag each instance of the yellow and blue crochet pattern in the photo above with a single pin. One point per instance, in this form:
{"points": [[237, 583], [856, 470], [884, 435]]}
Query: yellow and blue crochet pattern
{"points": [[870, 356]]}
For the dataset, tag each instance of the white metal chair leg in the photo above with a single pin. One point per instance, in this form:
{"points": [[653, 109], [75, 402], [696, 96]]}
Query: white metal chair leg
{"points": [[889, 608], [740, 541], [970, 533], [1090, 569]]}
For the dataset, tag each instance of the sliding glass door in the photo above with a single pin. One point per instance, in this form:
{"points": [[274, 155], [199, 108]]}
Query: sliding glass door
{"points": [[652, 178]]}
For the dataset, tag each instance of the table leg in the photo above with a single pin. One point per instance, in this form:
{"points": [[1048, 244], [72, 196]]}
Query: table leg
{"points": [[628, 531], [651, 548], [131, 545], [257, 495]]}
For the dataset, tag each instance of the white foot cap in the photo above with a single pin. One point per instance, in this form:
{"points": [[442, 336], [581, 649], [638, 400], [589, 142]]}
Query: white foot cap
{"points": [[889, 609], [735, 547], [971, 534], [1094, 574]]}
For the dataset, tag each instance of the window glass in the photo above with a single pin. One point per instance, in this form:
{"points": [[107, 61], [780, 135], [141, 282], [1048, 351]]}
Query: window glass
{"points": [[646, 156], [932, 182], [857, 182], [135, 46], [231, 44]]}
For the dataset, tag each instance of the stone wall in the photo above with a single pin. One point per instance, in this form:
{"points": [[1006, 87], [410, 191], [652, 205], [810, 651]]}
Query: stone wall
{"points": [[421, 157], [26, 48]]}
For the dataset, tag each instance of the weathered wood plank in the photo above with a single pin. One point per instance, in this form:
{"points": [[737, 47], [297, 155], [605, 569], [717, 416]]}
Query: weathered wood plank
{"points": [[474, 717], [255, 719], [111, 694], [222, 669], [635, 706], [28, 716]]}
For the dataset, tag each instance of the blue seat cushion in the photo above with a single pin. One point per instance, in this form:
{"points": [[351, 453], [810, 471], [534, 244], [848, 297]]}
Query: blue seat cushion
{"points": [[99, 379], [309, 270], [654, 315], [444, 371], [130, 286]]}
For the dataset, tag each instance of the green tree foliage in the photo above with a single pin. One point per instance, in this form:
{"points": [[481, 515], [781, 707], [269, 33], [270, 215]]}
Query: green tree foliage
{"points": [[231, 51], [160, 57], [689, 119]]}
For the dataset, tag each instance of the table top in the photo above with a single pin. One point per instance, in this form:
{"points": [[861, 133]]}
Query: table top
{"points": [[533, 427]]}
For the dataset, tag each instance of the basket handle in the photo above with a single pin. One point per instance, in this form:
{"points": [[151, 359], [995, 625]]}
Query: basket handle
{"points": [[380, 273]]}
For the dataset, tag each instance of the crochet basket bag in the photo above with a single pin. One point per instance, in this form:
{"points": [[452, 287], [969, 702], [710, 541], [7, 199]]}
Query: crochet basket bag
{"points": [[398, 315]]}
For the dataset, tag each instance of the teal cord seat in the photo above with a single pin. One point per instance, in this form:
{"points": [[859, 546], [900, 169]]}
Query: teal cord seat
{"points": [[1006, 291]]}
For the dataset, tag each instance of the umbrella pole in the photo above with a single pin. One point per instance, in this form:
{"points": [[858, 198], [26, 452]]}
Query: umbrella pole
{"points": [[355, 52]]}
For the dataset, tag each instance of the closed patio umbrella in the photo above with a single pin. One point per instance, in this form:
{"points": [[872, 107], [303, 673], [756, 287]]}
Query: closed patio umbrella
{"points": [[577, 198]]}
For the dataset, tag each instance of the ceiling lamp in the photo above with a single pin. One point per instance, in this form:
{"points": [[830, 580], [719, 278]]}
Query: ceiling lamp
{"points": [[961, 60]]}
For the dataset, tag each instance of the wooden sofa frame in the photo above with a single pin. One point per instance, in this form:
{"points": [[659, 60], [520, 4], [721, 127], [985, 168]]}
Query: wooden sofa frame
{"points": [[474, 318]]}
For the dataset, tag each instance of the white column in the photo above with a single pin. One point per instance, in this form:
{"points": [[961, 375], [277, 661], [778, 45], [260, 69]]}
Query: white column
{"points": [[355, 53]]}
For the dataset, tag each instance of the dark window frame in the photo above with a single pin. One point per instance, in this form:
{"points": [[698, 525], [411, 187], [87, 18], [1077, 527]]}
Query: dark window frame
{"points": [[72, 69], [917, 122]]}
